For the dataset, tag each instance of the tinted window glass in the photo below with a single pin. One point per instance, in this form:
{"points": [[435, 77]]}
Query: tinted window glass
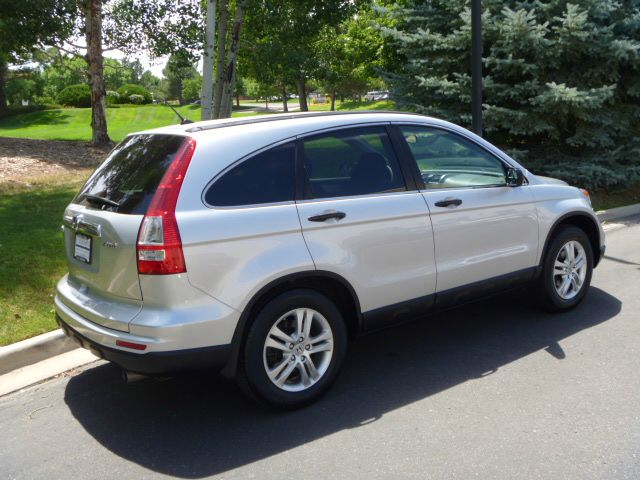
{"points": [[447, 160], [131, 174], [266, 178], [351, 162]]}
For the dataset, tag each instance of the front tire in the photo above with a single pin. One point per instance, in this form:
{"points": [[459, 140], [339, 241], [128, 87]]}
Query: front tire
{"points": [[294, 349], [567, 270]]}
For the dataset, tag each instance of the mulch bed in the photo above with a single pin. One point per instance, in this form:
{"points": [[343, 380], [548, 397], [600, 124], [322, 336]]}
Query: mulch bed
{"points": [[22, 158]]}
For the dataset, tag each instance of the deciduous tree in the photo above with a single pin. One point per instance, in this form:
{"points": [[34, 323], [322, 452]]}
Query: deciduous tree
{"points": [[208, 58], [27, 26], [281, 37], [92, 10], [178, 69]]}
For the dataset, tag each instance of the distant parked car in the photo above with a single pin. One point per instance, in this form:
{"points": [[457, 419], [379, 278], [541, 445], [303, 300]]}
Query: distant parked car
{"points": [[262, 246], [317, 97], [376, 95]]}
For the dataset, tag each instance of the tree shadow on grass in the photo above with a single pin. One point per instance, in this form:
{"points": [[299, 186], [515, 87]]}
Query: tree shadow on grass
{"points": [[32, 247], [42, 117], [198, 426]]}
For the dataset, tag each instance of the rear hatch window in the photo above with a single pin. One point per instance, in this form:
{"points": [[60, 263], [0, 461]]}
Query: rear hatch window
{"points": [[126, 181]]}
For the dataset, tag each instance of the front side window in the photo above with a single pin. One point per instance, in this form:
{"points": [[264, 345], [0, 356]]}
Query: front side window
{"points": [[447, 160], [268, 177], [351, 162]]}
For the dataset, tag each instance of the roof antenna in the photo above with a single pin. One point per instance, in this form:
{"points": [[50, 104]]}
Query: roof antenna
{"points": [[183, 121]]}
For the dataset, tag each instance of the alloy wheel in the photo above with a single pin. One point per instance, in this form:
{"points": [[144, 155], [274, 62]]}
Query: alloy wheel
{"points": [[570, 270], [298, 349]]}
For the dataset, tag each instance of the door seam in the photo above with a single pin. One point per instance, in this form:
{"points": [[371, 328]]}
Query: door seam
{"points": [[433, 237], [315, 267]]}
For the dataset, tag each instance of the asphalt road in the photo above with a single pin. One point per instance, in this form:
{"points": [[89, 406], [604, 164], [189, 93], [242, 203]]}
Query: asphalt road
{"points": [[492, 390]]}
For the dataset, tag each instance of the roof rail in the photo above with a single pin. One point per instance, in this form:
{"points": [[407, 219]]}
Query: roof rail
{"points": [[290, 116]]}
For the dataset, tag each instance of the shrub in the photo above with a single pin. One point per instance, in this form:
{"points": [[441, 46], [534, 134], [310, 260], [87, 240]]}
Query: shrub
{"points": [[19, 110], [45, 100], [112, 97], [136, 99], [75, 96], [125, 92]]}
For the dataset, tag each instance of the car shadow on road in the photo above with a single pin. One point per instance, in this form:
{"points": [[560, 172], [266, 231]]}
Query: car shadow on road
{"points": [[202, 425]]}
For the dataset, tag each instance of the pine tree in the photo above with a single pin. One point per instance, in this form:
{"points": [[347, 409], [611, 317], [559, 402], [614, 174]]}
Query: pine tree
{"points": [[561, 80]]}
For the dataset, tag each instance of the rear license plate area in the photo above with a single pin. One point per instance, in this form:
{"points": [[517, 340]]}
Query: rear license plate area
{"points": [[82, 248]]}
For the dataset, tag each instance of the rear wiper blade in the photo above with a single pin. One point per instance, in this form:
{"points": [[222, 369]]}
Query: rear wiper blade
{"points": [[102, 200]]}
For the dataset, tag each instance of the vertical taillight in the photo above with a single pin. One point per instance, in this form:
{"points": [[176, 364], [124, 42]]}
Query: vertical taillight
{"points": [[159, 244]]}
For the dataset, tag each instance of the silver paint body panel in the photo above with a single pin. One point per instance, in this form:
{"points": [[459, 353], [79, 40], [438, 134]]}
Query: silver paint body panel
{"points": [[383, 247], [492, 233]]}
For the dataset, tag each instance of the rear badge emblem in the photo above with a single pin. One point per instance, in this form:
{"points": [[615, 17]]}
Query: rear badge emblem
{"points": [[110, 244]]}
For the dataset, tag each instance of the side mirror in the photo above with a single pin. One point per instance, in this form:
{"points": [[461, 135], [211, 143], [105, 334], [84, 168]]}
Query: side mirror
{"points": [[515, 177]]}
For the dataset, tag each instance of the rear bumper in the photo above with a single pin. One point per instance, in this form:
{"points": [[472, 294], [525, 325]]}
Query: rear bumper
{"points": [[175, 316], [154, 363]]}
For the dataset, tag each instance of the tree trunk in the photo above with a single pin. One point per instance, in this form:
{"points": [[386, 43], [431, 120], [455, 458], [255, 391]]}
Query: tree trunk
{"points": [[302, 93], [285, 107], [333, 101], [232, 62], [221, 55], [3, 81], [238, 100], [93, 32], [208, 55]]}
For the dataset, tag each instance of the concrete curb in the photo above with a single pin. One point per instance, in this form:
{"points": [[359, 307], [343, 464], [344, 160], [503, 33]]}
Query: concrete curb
{"points": [[33, 350], [31, 374], [618, 213], [36, 349]]}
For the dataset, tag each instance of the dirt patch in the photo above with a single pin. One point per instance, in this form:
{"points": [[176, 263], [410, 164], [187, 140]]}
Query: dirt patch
{"points": [[22, 159]]}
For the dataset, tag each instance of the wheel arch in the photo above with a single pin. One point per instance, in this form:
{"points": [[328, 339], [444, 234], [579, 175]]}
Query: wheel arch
{"points": [[584, 222], [334, 286]]}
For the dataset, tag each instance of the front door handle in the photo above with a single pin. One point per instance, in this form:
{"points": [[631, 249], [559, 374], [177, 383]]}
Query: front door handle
{"points": [[448, 202], [326, 216]]}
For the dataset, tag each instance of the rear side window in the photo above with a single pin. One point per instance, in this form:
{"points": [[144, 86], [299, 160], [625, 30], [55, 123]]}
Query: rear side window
{"points": [[268, 177], [356, 161], [129, 177]]}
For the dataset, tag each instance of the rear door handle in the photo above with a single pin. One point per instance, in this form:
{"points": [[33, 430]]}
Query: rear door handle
{"points": [[447, 202], [326, 216], [77, 224]]}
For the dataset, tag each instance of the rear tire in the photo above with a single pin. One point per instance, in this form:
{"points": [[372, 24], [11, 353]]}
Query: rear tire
{"points": [[294, 349], [566, 270]]}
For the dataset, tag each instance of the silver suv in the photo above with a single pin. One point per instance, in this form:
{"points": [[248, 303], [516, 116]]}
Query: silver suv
{"points": [[263, 246]]}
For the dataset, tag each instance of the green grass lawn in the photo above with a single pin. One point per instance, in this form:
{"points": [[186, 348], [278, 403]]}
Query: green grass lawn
{"points": [[31, 254], [606, 200], [355, 106], [74, 123]]}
